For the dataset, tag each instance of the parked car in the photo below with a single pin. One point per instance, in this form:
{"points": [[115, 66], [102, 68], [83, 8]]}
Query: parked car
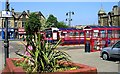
{"points": [[111, 52]]}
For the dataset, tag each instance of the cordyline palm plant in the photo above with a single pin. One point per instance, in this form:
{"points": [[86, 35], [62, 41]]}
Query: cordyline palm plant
{"points": [[44, 57]]}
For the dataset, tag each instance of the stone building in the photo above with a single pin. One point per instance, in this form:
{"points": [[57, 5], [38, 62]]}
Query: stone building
{"points": [[109, 19], [17, 22]]}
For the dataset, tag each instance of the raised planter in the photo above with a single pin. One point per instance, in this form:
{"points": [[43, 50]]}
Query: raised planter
{"points": [[84, 69]]}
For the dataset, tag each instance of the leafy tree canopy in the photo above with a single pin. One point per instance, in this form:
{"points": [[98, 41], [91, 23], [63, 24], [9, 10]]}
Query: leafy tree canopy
{"points": [[61, 25], [33, 23], [51, 21]]}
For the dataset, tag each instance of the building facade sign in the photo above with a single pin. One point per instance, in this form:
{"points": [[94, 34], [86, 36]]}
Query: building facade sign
{"points": [[21, 31]]}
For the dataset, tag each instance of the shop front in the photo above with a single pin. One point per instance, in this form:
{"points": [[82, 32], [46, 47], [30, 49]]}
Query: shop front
{"points": [[21, 33], [10, 33]]}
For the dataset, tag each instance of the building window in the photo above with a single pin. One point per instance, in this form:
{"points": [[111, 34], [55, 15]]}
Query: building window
{"points": [[15, 24], [9, 25], [4, 24], [23, 23]]}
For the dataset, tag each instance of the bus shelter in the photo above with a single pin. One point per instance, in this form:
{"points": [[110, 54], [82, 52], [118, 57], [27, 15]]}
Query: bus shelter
{"points": [[101, 36]]}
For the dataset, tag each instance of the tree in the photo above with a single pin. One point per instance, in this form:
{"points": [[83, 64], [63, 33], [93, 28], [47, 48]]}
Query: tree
{"points": [[51, 21], [32, 26], [61, 25], [33, 23]]}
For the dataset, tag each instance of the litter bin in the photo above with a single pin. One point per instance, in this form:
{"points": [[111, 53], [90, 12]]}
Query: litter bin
{"points": [[87, 46]]}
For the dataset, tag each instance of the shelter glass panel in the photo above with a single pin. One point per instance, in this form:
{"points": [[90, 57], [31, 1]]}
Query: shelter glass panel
{"points": [[113, 34], [109, 33], [88, 33], [95, 34], [102, 34], [117, 34]]}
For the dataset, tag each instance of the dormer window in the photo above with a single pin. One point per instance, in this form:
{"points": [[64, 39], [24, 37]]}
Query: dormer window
{"points": [[15, 24]]}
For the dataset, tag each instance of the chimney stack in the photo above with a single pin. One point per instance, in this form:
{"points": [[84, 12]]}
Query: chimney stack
{"points": [[12, 10], [28, 11]]}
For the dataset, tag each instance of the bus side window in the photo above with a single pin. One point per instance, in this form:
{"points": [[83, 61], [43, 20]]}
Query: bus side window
{"points": [[76, 34], [48, 34], [62, 34], [81, 34]]}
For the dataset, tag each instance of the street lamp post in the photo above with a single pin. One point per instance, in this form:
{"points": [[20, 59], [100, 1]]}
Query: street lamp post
{"points": [[69, 17], [6, 42]]}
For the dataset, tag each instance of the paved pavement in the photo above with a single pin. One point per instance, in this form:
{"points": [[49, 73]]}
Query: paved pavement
{"points": [[93, 59], [13, 46], [76, 52], [1, 55]]}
